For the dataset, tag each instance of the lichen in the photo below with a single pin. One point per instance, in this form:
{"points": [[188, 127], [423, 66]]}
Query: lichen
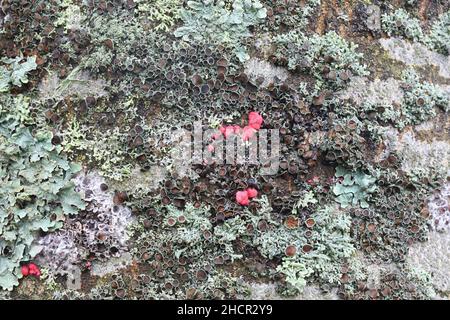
{"points": [[328, 58], [354, 189], [420, 99], [355, 210], [438, 38], [332, 245], [163, 13], [400, 22], [37, 192], [213, 21], [14, 72]]}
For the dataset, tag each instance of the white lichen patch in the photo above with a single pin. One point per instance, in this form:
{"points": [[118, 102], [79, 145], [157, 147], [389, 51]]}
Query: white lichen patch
{"points": [[375, 272], [78, 83], [97, 234], [439, 209], [101, 269], [264, 73], [267, 291], [433, 256], [378, 92], [416, 54], [373, 18], [419, 157]]}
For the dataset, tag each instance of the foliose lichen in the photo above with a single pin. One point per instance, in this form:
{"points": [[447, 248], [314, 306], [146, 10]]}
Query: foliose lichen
{"points": [[37, 192], [213, 21]]}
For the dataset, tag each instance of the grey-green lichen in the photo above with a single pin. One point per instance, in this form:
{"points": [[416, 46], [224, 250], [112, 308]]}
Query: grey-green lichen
{"points": [[191, 239], [354, 189], [332, 246], [215, 21], [102, 147], [438, 38], [289, 14], [114, 84], [36, 191], [420, 99], [14, 72], [70, 16], [163, 13], [408, 101], [329, 58], [308, 254], [401, 23]]}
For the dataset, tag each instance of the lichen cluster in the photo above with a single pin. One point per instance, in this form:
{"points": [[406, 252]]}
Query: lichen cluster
{"points": [[99, 191], [36, 190], [402, 23]]}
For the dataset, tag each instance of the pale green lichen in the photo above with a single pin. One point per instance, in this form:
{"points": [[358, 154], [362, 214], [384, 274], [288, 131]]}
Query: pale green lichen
{"points": [[332, 246], [422, 279], [103, 148], [420, 99], [164, 13], [188, 234], [36, 191], [438, 38], [15, 72], [330, 243], [307, 199], [70, 16], [401, 23], [272, 242], [294, 14], [354, 189], [314, 54], [124, 32], [213, 21]]}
